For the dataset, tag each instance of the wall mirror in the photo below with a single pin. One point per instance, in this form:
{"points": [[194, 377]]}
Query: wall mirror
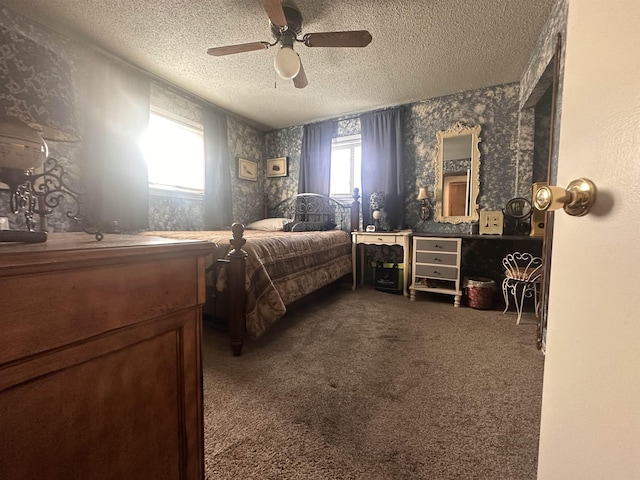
{"points": [[457, 174]]}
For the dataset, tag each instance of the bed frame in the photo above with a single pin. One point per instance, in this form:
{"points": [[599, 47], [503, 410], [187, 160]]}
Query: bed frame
{"points": [[302, 207]]}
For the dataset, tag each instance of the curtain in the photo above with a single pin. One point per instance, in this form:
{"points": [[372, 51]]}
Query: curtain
{"points": [[217, 190], [382, 163], [116, 117], [315, 159]]}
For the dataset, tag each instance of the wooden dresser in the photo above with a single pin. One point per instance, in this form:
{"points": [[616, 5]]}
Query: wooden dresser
{"points": [[100, 358]]}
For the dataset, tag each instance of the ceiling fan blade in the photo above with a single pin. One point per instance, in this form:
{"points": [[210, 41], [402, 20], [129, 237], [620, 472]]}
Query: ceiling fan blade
{"points": [[275, 12], [354, 38], [242, 47], [300, 80]]}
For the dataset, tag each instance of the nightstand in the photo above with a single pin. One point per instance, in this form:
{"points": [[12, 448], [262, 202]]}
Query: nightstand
{"points": [[402, 238], [435, 266]]}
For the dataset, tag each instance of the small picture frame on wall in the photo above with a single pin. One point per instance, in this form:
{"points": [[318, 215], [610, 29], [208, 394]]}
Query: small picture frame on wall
{"points": [[247, 170], [278, 167]]}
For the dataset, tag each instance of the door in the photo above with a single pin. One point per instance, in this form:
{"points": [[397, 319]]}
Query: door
{"points": [[590, 426]]}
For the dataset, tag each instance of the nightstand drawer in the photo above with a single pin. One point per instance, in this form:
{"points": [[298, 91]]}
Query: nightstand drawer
{"points": [[380, 239], [435, 271], [437, 258], [436, 245]]}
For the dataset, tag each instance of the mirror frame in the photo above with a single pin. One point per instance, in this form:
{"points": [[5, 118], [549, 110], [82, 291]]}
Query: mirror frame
{"points": [[459, 129]]}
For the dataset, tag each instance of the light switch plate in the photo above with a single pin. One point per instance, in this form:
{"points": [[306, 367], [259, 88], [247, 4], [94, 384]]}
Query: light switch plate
{"points": [[491, 222], [4, 223]]}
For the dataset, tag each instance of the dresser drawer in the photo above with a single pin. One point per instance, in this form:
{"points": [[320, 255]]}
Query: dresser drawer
{"points": [[437, 244], [435, 271], [436, 258]]}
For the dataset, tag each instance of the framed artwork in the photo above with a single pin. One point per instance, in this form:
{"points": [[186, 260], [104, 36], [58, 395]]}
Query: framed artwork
{"points": [[247, 170], [278, 167]]}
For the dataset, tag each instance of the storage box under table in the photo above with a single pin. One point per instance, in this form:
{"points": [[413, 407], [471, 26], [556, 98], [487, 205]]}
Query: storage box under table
{"points": [[387, 277]]}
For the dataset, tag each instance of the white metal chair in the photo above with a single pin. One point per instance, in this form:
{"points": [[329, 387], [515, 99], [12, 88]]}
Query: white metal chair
{"points": [[522, 272]]}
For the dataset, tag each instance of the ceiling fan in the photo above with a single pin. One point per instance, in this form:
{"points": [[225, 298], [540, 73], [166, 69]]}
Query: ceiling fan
{"points": [[286, 26]]}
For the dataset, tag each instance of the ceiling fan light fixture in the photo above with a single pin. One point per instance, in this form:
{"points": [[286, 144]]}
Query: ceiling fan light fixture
{"points": [[287, 62]]}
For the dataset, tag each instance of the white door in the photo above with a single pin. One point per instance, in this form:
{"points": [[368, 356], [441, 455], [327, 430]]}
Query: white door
{"points": [[590, 427]]}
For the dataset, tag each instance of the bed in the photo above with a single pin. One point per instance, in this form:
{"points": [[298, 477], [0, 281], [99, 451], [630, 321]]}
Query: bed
{"points": [[255, 274]]}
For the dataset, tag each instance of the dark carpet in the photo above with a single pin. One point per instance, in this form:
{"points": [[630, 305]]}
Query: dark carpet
{"points": [[368, 385]]}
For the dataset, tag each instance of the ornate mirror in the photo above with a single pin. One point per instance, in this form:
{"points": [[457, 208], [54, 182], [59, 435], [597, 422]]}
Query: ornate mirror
{"points": [[457, 174]]}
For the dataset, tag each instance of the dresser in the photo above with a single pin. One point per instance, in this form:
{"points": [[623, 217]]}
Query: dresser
{"points": [[436, 266], [100, 358]]}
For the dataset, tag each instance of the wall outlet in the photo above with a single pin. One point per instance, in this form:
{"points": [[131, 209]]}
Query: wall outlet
{"points": [[4, 223]]}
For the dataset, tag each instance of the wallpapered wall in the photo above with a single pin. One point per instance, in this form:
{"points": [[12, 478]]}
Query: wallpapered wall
{"points": [[165, 213], [494, 108], [65, 153], [506, 141]]}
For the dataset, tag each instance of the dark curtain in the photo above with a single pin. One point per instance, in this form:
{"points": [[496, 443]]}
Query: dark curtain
{"points": [[217, 190], [382, 163], [315, 159], [116, 117]]}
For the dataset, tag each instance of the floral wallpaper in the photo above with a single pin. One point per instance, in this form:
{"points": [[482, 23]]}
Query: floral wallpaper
{"points": [[494, 108], [539, 66], [248, 199], [175, 213], [286, 142], [165, 213], [507, 140], [65, 153]]}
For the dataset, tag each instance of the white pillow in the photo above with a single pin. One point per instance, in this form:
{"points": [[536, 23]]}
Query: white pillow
{"points": [[269, 224]]}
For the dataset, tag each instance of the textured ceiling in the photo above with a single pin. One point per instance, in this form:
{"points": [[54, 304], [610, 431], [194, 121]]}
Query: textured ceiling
{"points": [[421, 49]]}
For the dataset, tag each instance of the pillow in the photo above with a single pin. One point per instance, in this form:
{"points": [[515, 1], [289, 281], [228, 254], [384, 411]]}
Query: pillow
{"points": [[269, 224], [309, 226]]}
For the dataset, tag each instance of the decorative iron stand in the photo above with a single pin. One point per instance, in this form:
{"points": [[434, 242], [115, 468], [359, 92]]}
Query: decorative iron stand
{"points": [[40, 193]]}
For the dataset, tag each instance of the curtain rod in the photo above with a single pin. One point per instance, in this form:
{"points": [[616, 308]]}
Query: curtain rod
{"points": [[351, 116]]}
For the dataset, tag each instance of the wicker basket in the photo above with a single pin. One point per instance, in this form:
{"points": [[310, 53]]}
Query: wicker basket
{"points": [[480, 292]]}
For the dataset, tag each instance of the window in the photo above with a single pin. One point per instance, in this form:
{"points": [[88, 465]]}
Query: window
{"points": [[346, 171], [174, 151]]}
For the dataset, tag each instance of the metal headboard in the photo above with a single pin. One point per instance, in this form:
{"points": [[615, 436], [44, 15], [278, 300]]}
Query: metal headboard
{"points": [[313, 207]]}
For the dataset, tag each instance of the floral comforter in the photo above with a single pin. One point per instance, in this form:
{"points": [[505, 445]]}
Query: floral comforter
{"points": [[282, 267]]}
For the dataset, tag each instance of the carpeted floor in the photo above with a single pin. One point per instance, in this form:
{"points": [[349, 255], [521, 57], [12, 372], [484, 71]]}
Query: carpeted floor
{"points": [[368, 385]]}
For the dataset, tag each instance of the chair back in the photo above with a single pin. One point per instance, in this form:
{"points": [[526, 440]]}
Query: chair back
{"points": [[523, 267]]}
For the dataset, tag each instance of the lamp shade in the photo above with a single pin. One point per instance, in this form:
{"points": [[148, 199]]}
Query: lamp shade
{"points": [[287, 63], [21, 147], [423, 194], [36, 87]]}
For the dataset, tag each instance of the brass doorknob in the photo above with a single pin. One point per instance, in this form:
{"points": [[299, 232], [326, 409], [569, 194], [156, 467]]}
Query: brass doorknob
{"points": [[577, 199]]}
